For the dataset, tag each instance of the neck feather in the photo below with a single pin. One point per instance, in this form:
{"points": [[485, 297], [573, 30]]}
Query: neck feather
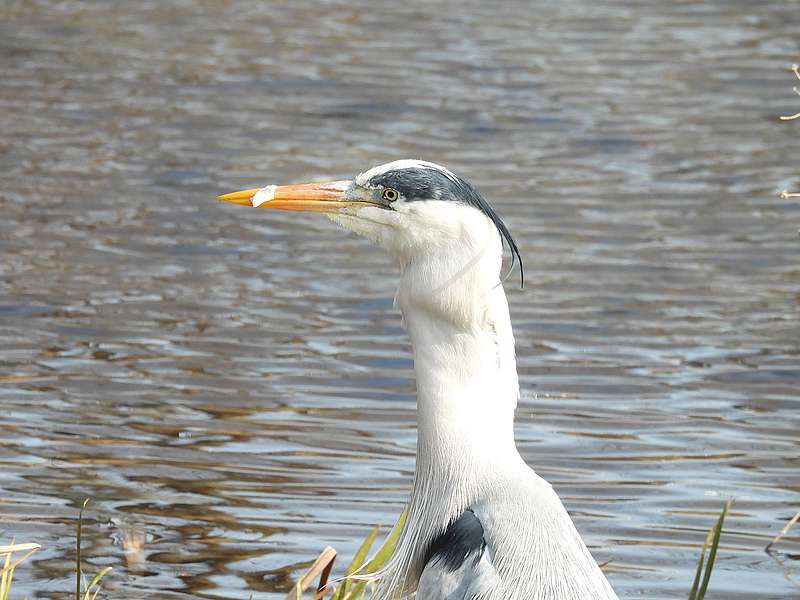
{"points": [[467, 391], [467, 385], [456, 313]]}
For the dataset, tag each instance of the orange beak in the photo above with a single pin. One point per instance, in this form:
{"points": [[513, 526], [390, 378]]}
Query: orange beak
{"points": [[328, 196]]}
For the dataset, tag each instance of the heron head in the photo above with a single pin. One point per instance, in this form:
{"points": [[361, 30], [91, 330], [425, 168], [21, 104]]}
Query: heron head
{"points": [[411, 208]]}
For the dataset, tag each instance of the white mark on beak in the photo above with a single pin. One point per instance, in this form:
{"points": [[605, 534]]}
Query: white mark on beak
{"points": [[342, 185], [265, 194]]}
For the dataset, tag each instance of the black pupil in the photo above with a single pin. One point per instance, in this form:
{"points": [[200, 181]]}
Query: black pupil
{"points": [[390, 194]]}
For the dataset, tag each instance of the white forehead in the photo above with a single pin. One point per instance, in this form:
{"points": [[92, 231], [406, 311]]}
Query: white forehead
{"points": [[406, 163]]}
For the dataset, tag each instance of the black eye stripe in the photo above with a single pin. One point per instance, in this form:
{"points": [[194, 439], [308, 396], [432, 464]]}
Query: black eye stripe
{"points": [[426, 183]]}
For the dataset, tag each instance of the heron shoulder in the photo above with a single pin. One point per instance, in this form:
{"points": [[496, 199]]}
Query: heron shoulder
{"points": [[539, 552], [462, 538], [458, 563]]}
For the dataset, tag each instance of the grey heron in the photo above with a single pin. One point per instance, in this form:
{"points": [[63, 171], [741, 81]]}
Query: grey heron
{"points": [[481, 524]]}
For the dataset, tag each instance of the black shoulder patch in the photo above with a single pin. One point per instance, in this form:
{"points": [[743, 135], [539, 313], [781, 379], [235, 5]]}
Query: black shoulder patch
{"points": [[463, 537]]}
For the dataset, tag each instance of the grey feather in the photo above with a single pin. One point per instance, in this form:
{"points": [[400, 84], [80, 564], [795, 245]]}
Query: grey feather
{"points": [[458, 563]]}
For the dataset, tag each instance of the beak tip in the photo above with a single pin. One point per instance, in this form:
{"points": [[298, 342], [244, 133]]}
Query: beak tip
{"points": [[244, 197]]}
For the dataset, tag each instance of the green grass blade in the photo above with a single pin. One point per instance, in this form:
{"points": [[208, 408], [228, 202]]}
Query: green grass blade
{"points": [[382, 555], [5, 579], [712, 553], [710, 545], [87, 595], [358, 561], [7, 572], [359, 588], [699, 572], [387, 549]]}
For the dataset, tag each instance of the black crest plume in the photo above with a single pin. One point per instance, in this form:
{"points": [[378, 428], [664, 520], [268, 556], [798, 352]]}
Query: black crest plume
{"points": [[429, 181]]}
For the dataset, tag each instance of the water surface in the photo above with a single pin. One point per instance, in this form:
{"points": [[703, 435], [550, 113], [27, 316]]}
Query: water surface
{"points": [[237, 386]]}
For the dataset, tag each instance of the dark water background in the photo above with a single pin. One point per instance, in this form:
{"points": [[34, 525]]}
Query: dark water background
{"points": [[237, 386]]}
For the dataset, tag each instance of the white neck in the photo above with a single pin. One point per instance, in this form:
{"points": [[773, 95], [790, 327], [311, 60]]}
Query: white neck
{"points": [[466, 374], [456, 313], [467, 389]]}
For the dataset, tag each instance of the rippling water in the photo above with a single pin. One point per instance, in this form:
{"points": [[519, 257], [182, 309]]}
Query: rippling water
{"points": [[237, 386]]}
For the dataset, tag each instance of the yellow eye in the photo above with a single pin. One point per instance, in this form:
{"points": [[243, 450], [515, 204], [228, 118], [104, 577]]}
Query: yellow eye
{"points": [[390, 194]]}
